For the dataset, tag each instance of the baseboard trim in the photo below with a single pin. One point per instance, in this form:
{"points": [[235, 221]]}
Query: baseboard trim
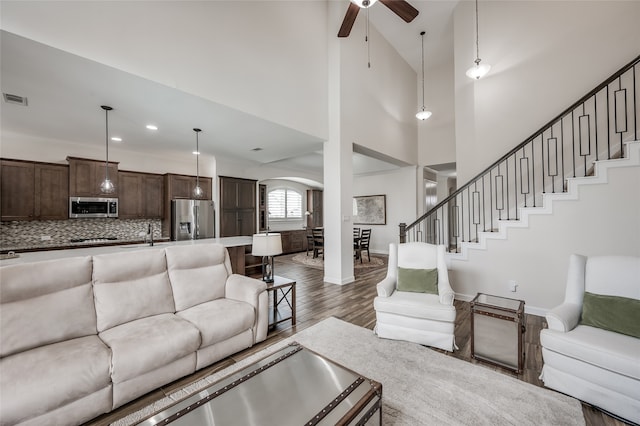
{"points": [[531, 310]]}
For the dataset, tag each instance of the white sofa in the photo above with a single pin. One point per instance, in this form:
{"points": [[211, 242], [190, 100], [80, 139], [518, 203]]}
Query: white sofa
{"points": [[81, 336], [597, 366]]}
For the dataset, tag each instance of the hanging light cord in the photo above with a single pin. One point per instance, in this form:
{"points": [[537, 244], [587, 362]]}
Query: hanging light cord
{"points": [[106, 138], [197, 160], [366, 39], [477, 61], [422, 35]]}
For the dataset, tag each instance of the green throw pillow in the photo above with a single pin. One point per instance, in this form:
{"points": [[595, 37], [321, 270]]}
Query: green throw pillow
{"points": [[613, 313], [418, 280]]}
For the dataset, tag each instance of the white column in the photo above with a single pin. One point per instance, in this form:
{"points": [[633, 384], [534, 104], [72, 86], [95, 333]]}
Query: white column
{"points": [[338, 170]]}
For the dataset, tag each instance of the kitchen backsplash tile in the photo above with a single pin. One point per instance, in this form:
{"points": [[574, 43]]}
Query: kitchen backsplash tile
{"points": [[56, 233]]}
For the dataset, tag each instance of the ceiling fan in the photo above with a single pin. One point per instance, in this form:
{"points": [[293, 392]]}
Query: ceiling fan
{"points": [[400, 7]]}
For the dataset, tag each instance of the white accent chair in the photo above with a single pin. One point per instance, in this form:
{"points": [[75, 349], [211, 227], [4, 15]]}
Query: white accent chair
{"points": [[597, 366], [426, 319]]}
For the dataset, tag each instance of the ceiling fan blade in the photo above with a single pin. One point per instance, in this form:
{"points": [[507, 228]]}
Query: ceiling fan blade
{"points": [[401, 8], [349, 19]]}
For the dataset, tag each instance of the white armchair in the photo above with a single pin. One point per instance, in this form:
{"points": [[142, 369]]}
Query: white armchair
{"points": [[595, 364], [423, 318]]}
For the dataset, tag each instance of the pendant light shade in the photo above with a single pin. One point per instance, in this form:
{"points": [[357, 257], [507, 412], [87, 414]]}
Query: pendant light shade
{"points": [[106, 187], [423, 114], [197, 190], [478, 70]]}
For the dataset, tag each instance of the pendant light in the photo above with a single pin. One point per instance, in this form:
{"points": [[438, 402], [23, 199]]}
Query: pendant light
{"points": [[423, 114], [197, 191], [107, 187], [478, 70]]}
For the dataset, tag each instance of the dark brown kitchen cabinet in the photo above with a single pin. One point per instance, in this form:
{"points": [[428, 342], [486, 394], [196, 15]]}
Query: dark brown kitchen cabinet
{"points": [[85, 177], [140, 195], [293, 241], [31, 190], [237, 206], [314, 206]]}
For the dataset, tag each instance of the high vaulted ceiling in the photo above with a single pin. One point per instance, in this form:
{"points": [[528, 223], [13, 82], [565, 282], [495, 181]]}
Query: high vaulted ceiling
{"points": [[64, 93]]}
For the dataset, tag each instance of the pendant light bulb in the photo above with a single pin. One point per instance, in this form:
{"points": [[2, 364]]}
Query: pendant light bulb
{"points": [[477, 71], [197, 190], [423, 114], [106, 187]]}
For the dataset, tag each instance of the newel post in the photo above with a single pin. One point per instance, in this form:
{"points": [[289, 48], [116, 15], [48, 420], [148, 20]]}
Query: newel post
{"points": [[403, 233]]}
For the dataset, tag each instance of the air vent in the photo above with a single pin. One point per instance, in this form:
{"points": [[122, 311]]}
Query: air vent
{"points": [[256, 149], [15, 99]]}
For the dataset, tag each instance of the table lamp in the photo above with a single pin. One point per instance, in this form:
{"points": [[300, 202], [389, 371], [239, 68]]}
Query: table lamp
{"points": [[267, 246]]}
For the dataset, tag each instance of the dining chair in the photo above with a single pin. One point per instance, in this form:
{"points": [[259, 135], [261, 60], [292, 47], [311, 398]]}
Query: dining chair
{"points": [[363, 245], [356, 241], [318, 242], [309, 243]]}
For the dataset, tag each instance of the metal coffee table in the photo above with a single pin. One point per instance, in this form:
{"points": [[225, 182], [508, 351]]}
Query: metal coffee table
{"points": [[293, 386]]}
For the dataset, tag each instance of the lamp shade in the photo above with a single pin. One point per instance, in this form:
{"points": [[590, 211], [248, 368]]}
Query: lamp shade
{"points": [[266, 245]]}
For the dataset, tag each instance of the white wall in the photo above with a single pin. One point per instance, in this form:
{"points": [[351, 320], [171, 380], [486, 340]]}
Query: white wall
{"points": [[267, 58], [545, 55], [604, 221], [377, 103], [400, 189]]}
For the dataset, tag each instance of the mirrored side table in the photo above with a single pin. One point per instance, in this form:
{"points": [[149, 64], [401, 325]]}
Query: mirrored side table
{"points": [[497, 331]]}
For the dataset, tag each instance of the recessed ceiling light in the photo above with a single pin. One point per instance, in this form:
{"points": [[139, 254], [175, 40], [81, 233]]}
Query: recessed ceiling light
{"points": [[116, 139], [196, 153], [152, 127]]}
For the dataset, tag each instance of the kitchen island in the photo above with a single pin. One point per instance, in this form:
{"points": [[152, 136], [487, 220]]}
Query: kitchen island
{"points": [[235, 246]]}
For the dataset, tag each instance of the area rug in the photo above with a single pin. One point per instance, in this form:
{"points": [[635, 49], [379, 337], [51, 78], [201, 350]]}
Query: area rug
{"points": [[419, 386], [318, 262]]}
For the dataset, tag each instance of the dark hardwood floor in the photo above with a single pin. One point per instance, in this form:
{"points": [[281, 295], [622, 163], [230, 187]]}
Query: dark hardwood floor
{"points": [[317, 300]]}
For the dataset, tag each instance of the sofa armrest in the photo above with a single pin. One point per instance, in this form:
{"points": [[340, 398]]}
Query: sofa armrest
{"points": [[564, 317], [253, 292], [386, 287]]}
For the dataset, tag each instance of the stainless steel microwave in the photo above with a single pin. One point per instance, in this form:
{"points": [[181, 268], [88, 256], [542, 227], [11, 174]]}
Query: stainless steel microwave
{"points": [[84, 207]]}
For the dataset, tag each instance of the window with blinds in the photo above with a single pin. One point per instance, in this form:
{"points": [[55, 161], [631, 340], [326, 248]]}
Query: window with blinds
{"points": [[284, 203]]}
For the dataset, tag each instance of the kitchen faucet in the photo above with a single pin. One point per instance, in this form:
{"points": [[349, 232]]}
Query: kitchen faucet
{"points": [[149, 236]]}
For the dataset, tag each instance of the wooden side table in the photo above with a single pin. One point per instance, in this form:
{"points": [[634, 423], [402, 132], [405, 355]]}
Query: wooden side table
{"points": [[497, 331], [284, 290]]}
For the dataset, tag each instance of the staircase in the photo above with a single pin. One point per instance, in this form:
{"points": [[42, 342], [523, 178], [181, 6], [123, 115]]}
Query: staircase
{"points": [[598, 132]]}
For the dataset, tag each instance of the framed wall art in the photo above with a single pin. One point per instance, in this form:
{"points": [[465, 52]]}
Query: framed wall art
{"points": [[370, 210]]}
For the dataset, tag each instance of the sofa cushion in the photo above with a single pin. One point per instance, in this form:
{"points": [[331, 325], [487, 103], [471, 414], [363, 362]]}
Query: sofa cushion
{"points": [[605, 349], [613, 313], [146, 344], [220, 319], [130, 286], [42, 379], [197, 273], [45, 302], [614, 275], [417, 305]]}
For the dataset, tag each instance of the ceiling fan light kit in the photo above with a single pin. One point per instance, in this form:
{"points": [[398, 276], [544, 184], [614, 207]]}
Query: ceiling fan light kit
{"points": [[423, 114], [477, 71], [400, 7]]}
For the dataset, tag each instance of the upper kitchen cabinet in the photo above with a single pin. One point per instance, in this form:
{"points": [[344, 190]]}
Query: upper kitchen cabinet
{"points": [[181, 186], [31, 190], [314, 206], [86, 175], [237, 206], [140, 195]]}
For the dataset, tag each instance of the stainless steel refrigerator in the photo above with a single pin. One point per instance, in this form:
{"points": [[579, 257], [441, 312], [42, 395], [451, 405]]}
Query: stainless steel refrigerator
{"points": [[192, 219]]}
